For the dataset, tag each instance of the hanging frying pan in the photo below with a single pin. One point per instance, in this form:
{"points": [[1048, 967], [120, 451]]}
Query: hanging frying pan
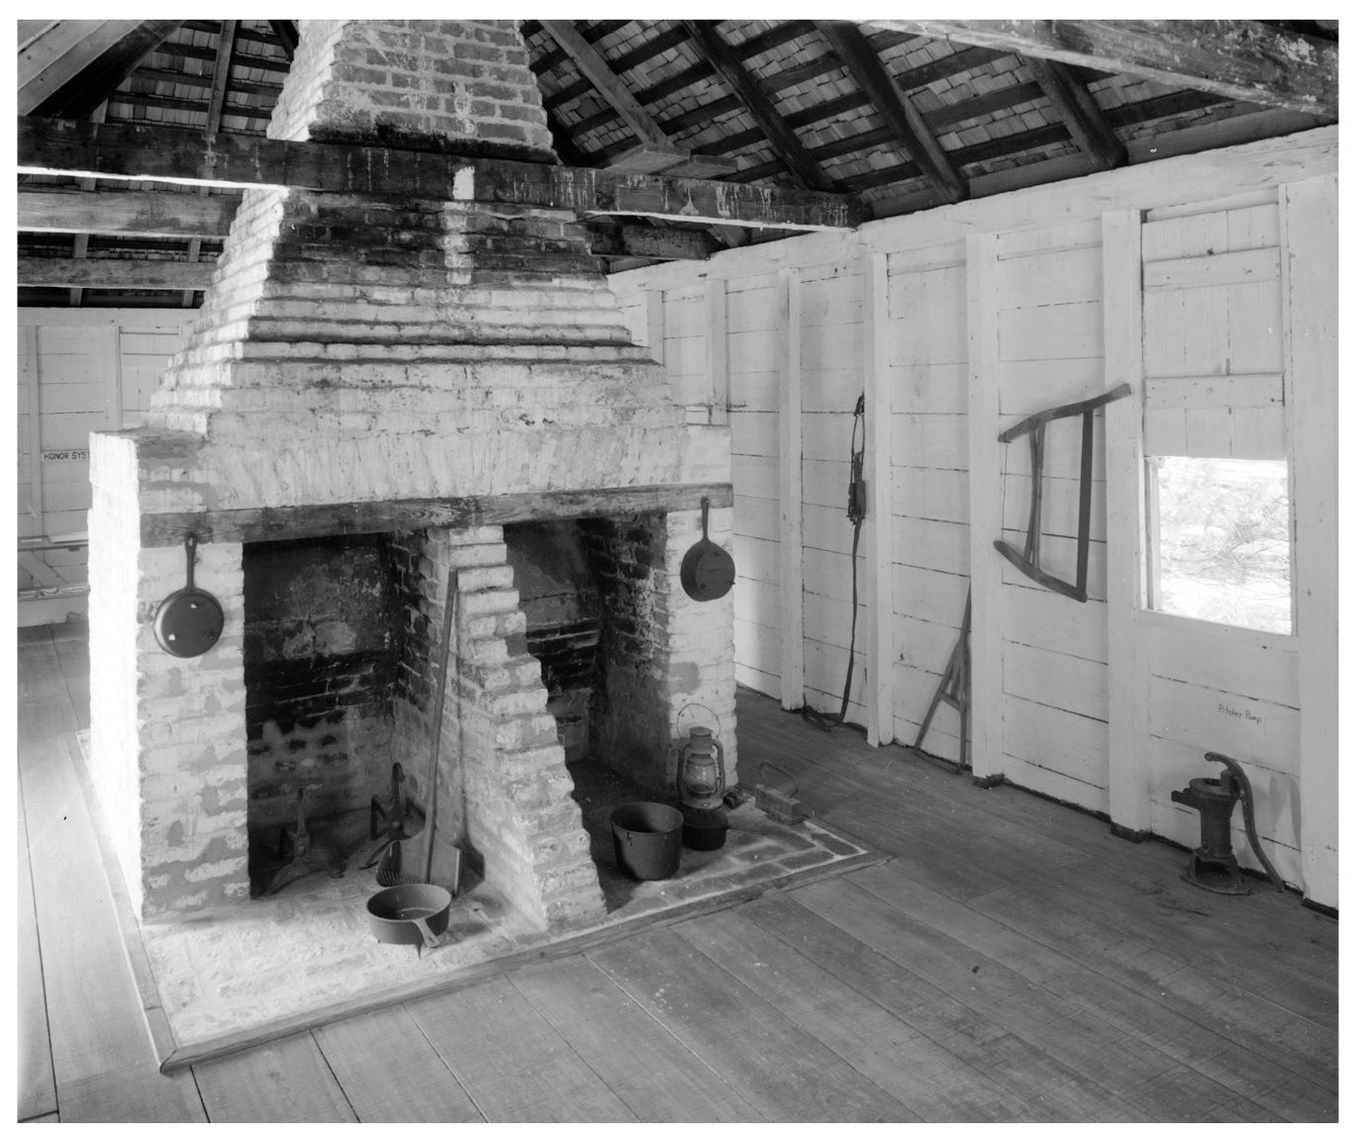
{"points": [[189, 621], [707, 569]]}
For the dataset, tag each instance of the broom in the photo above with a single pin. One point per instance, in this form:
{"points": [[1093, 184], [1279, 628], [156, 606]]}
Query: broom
{"points": [[389, 872]]}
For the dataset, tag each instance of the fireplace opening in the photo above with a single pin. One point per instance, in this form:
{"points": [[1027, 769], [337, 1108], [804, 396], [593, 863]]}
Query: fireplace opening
{"points": [[323, 642]]}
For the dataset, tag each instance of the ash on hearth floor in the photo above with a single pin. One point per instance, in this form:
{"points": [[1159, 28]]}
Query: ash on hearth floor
{"points": [[305, 955]]}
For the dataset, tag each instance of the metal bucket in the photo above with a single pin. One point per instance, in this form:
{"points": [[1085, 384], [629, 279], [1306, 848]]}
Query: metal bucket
{"points": [[648, 839]]}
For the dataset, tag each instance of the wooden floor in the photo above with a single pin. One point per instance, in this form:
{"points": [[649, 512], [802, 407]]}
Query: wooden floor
{"points": [[1010, 961]]}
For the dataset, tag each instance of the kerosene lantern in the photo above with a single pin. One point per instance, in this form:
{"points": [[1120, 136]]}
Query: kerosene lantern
{"points": [[700, 782]]}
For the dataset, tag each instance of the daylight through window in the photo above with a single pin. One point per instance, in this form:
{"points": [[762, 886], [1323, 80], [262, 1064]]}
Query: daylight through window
{"points": [[1221, 549]]}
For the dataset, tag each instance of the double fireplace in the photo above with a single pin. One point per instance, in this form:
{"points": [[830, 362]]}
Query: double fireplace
{"points": [[383, 400]]}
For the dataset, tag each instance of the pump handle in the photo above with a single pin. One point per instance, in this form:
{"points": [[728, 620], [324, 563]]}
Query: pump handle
{"points": [[1247, 813]]}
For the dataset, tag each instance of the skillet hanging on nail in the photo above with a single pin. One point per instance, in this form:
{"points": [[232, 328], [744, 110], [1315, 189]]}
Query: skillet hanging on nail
{"points": [[707, 569], [189, 621]]}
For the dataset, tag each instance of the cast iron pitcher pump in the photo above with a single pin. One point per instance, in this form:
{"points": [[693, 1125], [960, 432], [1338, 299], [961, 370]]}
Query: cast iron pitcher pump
{"points": [[1213, 865]]}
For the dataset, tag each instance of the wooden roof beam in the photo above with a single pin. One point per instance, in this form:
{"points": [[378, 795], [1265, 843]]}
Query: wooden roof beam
{"points": [[287, 36], [1238, 59], [783, 140], [153, 153], [90, 71], [895, 108], [655, 152], [651, 242], [126, 214], [1080, 113], [114, 272]]}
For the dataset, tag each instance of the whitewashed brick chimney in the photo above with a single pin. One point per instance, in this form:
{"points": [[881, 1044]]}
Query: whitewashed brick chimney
{"points": [[356, 349]]}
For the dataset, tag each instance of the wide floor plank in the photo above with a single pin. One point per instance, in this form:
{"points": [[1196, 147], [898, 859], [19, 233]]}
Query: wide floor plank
{"points": [[102, 1057], [37, 1083], [787, 1074], [390, 1073], [1148, 1081], [512, 1063], [1010, 959], [935, 1085], [1092, 984], [284, 1081], [1054, 1092], [625, 1045]]}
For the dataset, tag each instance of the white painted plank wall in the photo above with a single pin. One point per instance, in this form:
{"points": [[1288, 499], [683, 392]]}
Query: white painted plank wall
{"points": [[929, 373], [1053, 667], [1049, 332], [86, 370]]}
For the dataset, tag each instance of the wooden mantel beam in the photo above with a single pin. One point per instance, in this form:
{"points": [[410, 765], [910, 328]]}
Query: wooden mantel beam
{"points": [[1237, 59], [155, 153]]}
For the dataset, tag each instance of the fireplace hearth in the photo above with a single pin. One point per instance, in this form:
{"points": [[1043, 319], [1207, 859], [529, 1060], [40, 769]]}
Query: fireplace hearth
{"points": [[380, 397]]}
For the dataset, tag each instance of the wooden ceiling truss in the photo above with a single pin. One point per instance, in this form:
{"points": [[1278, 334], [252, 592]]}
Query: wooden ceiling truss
{"points": [[677, 138]]}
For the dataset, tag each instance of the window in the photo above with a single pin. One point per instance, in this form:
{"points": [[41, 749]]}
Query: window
{"points": [[1220, 541]]}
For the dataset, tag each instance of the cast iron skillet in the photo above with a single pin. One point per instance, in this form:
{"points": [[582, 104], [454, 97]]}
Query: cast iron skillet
{"points": [[189, 621], [707, 569]]}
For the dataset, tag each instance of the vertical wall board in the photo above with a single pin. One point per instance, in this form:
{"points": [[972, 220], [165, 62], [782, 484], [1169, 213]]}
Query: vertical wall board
{"points": [[655, 333], [1129, 768], [879, 519], [791, 491], [827, 573], [1310, 267], [984, 456], [32, 514], [717, 350]]}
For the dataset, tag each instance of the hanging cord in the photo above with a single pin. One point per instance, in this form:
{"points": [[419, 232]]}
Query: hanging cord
{"points": [[855, 514]]}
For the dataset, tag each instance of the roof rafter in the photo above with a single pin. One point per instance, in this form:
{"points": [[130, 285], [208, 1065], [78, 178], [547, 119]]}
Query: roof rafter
{"points": [[783, 140], [1081, 114], [89, 72], [1240, 59], [656, 152], [895, 108]]}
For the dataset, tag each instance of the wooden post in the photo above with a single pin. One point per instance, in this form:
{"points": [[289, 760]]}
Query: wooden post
{"points": [[879, 505], [112, 381], [717, 349], [33, 404], [984, 489], [1309, 276], [653, 322], [791, 426], [1125, 536]]}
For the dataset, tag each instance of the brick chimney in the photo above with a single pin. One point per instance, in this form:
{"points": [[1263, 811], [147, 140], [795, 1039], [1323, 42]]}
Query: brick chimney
{"points": [[355, 349]]}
